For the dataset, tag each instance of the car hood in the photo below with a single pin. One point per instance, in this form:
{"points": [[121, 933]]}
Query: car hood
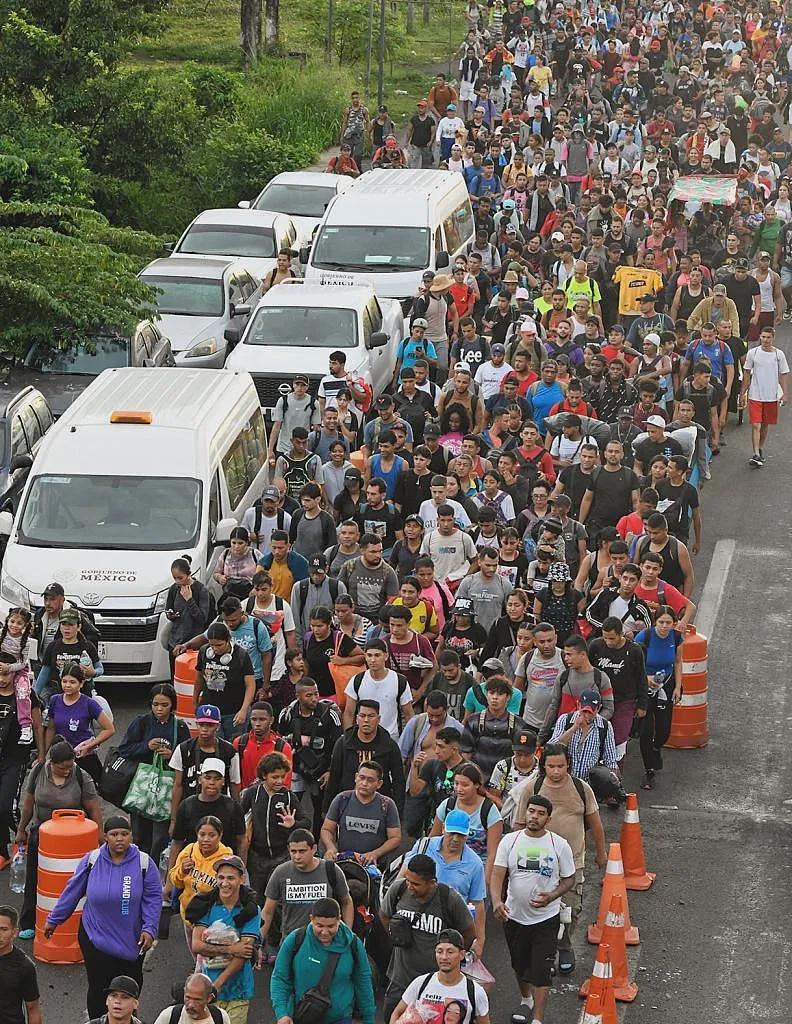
{"points": [[60, 389], [258, 266], [274, 359], [184, 331]]}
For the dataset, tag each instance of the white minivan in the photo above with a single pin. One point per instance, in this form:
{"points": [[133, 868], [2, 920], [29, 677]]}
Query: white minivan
{"points": [[390, 228], [146, 465]]}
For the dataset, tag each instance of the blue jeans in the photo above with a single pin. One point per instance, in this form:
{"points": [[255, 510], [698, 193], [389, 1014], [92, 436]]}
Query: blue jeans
{"points": [[228, 730]]}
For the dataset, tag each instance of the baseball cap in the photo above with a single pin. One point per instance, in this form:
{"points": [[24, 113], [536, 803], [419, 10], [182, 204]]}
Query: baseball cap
{"points": [[764, 255], [54, 590], [522, 293], [207, 713], [457, 821], [422, 103], [451, 106], [462, 606], [230, 862], [384, 401], [528, 326], [653, 339], [590, 700], [493, 664], [432, 430], [213, 764], [270, 494], [123, 983], [318, 562], [557, 236], [655, 421], [508, 204], [648, 297], [719, 289], [498, 349], [419, 321], [524, 741], [70, 615], [741, 264], [300, 377], [428, 275], [353, 474], [624, 413], [414, 518]]}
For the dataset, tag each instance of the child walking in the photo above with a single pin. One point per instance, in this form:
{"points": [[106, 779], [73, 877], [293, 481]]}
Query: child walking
{"points": [[14, 638]]}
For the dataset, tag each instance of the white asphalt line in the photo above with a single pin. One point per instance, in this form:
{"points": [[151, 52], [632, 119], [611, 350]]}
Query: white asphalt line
{"points": [[717, 577]]}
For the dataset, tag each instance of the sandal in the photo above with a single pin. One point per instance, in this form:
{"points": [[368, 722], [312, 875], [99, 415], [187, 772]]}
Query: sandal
{"points": [[648, 782]]}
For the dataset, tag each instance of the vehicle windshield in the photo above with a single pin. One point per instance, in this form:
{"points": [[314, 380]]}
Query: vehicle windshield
{"points": [[378, 249], [92, 358], [111, 512], [296, 200], [229, 240], [187, 296], [303, 326]]}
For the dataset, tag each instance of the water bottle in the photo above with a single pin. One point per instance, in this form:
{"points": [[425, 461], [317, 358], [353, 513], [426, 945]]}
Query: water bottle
{"points": [[16, 878]]}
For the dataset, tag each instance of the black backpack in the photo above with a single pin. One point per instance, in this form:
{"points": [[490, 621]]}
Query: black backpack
{"points": [[331, 583], [214, 1012], [281, 516], [529, 467], [471, 993], [296, 474], [484, 810]]}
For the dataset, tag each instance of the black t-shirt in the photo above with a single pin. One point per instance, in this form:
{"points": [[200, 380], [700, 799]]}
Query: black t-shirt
{"points": [[317, 657], [60, 654], [612, 495], [18, 985], [624, 666], [648, 450], [191, 810], [703, 400], [439, 780], [685, 498], [412, 490], [742, 293], [381, 521], [575, 482], [464, 641], [10, 750], [224, 678], [423, 130], [345, 506]]}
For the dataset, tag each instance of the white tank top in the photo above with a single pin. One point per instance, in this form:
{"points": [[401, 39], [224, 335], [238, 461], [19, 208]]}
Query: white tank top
{"points": [[766, 294]]}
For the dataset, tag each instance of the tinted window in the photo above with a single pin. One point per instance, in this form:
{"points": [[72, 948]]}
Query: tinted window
{"points": [[187, 296], [297, 200], [228, 240], [92, 358], [378, 248], [303, 326], [42, 411], [245, 459]]}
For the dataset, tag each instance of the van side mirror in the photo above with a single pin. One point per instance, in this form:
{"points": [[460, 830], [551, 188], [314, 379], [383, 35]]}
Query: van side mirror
{"points": [[223, 531], [378, 339], [6, 524], [232, 335], [243, 204], [442, 259], [168, 246]]}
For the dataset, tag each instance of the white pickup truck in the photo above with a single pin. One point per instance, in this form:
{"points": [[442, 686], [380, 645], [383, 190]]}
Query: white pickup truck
{"points": [[297, 325]]}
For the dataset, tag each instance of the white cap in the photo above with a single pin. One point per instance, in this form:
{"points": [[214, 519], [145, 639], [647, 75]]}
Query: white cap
{"points": [[528, 326], [214, 764], [651, 421], [653, 339]]}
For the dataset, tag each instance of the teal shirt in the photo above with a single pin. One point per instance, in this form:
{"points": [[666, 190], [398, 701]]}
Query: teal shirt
{"points": [[292, 976], [513, 707], [241, 984]]}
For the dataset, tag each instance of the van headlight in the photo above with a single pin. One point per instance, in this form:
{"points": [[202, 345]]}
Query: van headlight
{"points": [[159, 601], [207, 347], [12, 592]]}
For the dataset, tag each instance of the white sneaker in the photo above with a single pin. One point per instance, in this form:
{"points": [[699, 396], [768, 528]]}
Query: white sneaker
{"points": [[26, 735], [418, 661]]}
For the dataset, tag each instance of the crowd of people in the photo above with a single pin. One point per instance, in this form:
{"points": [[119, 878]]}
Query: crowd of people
{"points": [[450, 611]]}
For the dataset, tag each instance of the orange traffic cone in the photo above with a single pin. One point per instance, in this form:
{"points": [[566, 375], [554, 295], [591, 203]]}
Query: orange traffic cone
{"points": [[601, 983], [623, 989], [592, 1010], [635, 874], [613, 883]]}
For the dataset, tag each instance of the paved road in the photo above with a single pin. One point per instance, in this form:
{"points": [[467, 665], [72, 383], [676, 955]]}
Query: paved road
{"points": [[716, 942]]}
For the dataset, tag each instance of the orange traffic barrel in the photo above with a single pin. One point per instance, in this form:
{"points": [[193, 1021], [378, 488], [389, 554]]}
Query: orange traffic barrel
{"points": [[63, 841], [689, 726], [184, 678]]}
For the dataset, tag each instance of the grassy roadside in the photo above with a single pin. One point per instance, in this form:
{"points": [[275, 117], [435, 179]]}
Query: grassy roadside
{"points": [[207, 32]]}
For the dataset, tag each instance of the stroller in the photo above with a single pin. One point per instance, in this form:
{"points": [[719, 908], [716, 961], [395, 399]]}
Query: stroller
{"points": [[364, 890]]}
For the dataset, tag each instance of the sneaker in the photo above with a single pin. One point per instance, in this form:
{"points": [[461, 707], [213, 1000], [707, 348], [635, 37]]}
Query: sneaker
{"points": [[26, 735], [27, 934], [418, 661], [755, 460]]}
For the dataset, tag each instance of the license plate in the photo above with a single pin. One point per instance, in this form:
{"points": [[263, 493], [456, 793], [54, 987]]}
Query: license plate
{"points": [[102, 650]]}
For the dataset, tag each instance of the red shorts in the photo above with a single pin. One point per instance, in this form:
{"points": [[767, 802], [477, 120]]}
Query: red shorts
{"points": [[763, 412]]}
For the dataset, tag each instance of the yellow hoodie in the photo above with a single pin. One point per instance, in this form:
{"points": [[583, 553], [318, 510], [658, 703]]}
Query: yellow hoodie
{"points": [[202, 878]]}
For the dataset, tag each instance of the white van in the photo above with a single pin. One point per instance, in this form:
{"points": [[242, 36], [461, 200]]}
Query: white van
{"points": [[390, 228], [146, 465], [297, 325]]}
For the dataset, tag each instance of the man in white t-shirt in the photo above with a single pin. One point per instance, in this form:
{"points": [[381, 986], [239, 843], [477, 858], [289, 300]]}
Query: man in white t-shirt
{"points": [[540, 868], [447, 996], [390, 689], [264, 517], [453, 552], [766, 382], [197, 1008], [489, 376]]}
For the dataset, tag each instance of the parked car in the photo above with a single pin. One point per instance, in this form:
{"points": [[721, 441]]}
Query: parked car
{"points": [[302, 195], [197, 301], [62, 373], [25, 417], [296, 326], [253, 236]]}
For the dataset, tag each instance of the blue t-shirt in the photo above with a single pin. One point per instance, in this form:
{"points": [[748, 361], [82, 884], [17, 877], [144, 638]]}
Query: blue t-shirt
{"points": [[407, 350], [466, 875], [482, 186], [718, 355], [245, 637], [660, 653], [73, 721], [477, 837], [390, 478], [542, 398], [241, 984]]}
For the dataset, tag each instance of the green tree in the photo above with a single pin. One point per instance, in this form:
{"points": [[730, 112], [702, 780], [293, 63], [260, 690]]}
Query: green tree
{"points": [[65, 271]]}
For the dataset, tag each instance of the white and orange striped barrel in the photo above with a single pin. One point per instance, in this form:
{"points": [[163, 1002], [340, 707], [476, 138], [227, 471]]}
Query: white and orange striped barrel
{"points": [[689, 723]]}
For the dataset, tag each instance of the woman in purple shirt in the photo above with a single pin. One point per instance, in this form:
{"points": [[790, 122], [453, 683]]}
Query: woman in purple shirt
{"points": [[71, 716]]}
